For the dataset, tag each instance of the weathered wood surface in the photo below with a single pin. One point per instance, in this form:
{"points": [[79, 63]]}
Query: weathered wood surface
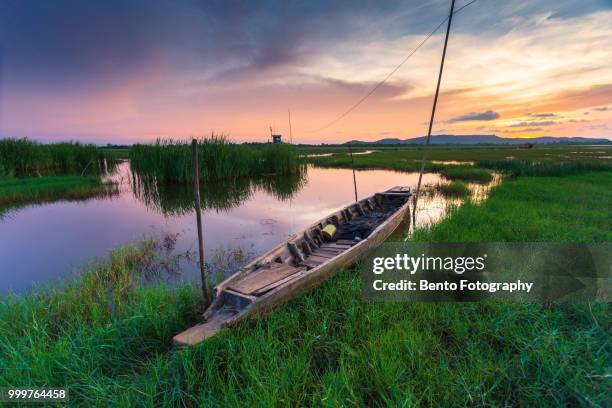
{"points": [[266, 288], [263, 277], [199, 332]]}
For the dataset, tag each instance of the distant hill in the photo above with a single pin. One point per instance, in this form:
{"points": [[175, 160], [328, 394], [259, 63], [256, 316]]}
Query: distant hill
{"points": [[485, 139]]}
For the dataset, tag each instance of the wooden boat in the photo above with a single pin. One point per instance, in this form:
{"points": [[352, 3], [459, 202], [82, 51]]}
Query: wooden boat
{"points": [[301, 263]]}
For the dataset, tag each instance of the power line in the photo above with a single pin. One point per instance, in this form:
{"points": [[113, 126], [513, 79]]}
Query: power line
{"points": [[390, 74]]}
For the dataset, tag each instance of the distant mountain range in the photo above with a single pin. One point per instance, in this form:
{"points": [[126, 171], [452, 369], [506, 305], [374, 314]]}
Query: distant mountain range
{"points": [[485, 139]]}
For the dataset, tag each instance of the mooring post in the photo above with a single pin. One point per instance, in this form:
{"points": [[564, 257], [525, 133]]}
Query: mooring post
{"points": [[353, 165], [198, 211]]}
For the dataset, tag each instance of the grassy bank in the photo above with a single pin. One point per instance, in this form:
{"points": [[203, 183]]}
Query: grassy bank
{"points": [[218, 158], [454, 189], [477, 152], [391, 160], [14, 192], [26, 158], [108, 339], [476, 163]]}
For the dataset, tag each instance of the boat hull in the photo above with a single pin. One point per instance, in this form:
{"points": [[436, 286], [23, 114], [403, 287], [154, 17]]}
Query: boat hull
{"points": [[217, 317]]}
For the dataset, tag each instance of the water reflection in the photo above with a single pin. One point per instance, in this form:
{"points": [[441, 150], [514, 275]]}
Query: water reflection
{"points": [[177, 199], [244, 218]]}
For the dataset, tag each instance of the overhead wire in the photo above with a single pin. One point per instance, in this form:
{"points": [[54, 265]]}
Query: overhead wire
{"points": [[390, 74]]}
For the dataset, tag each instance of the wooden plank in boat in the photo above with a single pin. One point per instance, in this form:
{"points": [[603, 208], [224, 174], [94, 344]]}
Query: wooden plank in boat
{"points": [[336, 246], [323, 254], [395, 194], [271, 286], [311, 263], [333, 251], [322, 258], [399, 189], [264, 277], [345, 242]]}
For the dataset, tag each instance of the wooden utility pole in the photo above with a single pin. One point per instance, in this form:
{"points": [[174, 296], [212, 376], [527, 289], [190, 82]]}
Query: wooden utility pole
{"points": [[198, 211], [435, 102]]}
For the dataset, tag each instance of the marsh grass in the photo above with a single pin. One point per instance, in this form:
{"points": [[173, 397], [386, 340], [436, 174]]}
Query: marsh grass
{"points": [[539, 161], [530, 209], [169, 161], [412, 155], [393, 160], [467, 173], [108, 338], [517, 168], [26, 158], [35, 190], [454, 189]]}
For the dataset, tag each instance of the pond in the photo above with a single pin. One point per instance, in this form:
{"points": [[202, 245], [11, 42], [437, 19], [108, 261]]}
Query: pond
{"points": [[41, 243]]}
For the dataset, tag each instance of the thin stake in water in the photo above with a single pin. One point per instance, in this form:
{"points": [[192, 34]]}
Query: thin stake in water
{"points": [[290, 131], [353, 164], [196, 193]]}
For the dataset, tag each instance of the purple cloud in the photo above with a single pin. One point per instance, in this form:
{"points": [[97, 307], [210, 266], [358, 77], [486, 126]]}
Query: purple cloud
{"points": [[486, 115], [535, 123]]}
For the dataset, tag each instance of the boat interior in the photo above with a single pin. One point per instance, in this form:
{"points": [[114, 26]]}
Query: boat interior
{"points": [[313, 247]]}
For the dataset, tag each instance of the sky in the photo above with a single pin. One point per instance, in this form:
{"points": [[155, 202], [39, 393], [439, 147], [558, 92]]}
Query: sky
{"points": [[124, 71]]}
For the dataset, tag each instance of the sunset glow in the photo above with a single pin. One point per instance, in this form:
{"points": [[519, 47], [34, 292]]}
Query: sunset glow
{"points": [[120, 72]]}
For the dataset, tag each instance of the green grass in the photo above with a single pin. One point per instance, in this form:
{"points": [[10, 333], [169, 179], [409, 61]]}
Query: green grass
{"points": [[467, 173], [454, 189], [117, 153], [109, 339], [517, 168], [475, 152], [26, 158], [41, 189], [550, 209], [218, 158], [515, 161]]}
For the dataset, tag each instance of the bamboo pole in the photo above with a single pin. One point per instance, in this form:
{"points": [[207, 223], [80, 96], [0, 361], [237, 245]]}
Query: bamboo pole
{"points": [[198, 211]]}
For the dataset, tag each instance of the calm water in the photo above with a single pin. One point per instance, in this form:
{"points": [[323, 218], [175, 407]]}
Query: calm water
{"points": [[41, 243]]}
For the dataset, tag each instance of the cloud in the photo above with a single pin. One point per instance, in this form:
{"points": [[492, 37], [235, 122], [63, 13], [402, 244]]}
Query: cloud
{"points": [[601, 126], [542, 115], [473, 116], [72, 42], [602, 109], [535, 123], [531, 129], [157, 67]]}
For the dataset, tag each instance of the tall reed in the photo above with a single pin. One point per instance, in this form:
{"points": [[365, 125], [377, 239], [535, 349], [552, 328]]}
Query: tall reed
{"points": [[169, 160], [27, 158]]}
